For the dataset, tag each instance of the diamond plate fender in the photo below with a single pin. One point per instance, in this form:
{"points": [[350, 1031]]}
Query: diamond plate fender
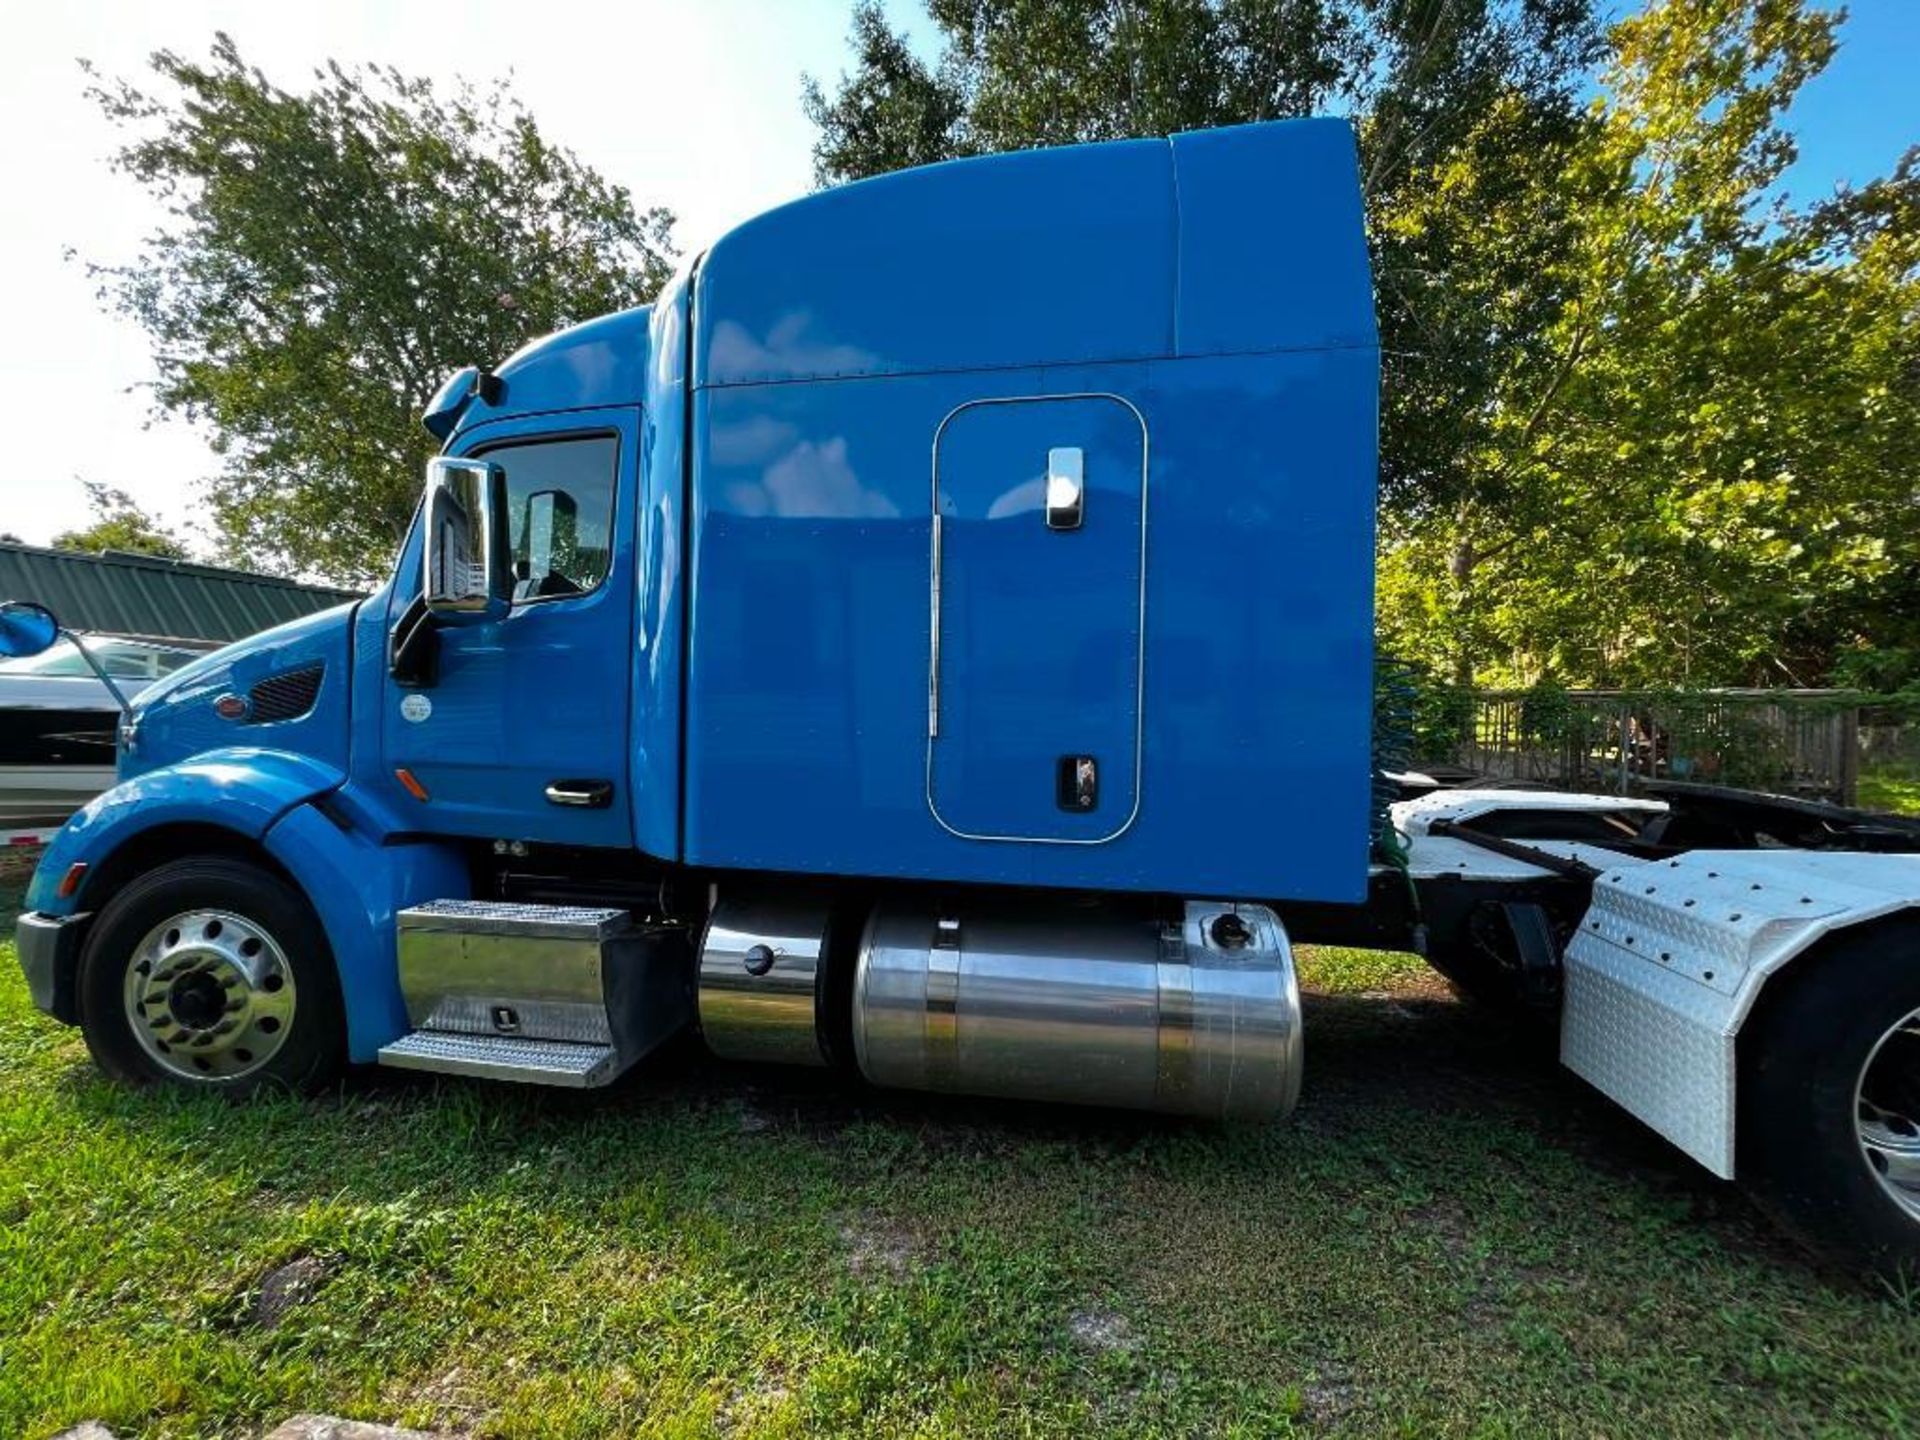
{"points": [[1671, 956]]}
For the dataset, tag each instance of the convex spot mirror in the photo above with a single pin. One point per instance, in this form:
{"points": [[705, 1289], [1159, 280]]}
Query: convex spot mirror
{"points": [[468, 576], [26, 628]]}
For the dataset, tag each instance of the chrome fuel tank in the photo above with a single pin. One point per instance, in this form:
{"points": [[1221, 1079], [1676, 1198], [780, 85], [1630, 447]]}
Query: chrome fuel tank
{"points": [[1084, 1007], [761, 968]]}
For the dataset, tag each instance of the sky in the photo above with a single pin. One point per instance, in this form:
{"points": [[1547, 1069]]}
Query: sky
{"points": [[694, 104]]}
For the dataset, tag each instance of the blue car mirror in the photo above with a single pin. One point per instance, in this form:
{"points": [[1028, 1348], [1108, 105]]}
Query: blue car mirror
{"points": [[26, 628]]}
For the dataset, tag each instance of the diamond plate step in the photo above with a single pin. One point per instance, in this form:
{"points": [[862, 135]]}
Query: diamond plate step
{"points": [[507, 917], [505, 1057]]}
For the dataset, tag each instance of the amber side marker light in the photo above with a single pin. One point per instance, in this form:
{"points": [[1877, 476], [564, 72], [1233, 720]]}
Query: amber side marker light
{"points": [[414, 787], [70, 881]]}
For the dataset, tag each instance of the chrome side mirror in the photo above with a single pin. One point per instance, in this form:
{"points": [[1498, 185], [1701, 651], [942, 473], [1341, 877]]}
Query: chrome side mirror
{"points": [[468, 575], [26, 628]]}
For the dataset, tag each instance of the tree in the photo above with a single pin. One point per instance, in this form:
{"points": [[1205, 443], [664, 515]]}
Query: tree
{"points": [[1710, 481], [891, 113], [1638, 423], [120, 524], [329, 258]]}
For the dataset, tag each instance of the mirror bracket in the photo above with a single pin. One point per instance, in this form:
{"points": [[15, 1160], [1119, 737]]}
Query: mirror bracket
{"points": [[100, 673], [413, 647]]}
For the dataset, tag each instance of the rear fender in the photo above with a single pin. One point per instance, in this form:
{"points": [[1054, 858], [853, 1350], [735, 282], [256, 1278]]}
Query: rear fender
{"points": [[1672, 956]]}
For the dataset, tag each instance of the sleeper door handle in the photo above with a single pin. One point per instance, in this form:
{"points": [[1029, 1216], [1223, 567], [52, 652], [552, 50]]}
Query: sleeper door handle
{"points": [[1066, 487], [585, 794]]}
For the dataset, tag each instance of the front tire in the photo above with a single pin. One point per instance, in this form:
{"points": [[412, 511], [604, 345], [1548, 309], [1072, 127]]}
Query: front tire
{"points": [[211, 973], [1829, 1138]]}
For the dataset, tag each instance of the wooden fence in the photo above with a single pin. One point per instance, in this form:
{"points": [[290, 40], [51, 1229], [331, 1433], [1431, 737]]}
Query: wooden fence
{"points": [[1789, 742]]}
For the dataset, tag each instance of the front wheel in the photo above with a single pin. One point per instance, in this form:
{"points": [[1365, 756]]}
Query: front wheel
{"points": [[1829, 1135], [211, 973]]}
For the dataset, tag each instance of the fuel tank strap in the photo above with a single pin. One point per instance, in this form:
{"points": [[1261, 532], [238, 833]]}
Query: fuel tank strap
{"points": [[943, 1004], [1174, 975]]}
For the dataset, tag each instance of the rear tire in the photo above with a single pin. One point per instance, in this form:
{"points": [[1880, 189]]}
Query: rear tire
{"points": [[211, 974], [1829, 1110]]}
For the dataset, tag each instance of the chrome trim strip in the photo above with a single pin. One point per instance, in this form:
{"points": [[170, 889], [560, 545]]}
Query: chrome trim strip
{"points": [[933, 669]]}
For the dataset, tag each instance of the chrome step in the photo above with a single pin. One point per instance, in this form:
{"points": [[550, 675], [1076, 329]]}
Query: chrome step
{"points": [[519, 972], [505, 1057], [546, 994]]}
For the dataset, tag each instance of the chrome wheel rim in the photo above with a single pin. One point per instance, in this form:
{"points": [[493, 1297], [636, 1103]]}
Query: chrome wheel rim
{"points": [[209, 995], [1886, 1108]]}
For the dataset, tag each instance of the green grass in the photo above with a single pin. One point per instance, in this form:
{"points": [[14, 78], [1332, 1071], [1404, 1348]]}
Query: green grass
{"points": [[1889, 792], [1451, 1236]]}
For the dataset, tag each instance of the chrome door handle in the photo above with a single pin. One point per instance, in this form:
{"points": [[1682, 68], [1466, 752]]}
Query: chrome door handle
{"points": [[583, 794], [1066, 487]]}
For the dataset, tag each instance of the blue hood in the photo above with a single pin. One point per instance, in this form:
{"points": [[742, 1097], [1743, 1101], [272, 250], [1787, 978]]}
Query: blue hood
{"points": [[284, 689]]}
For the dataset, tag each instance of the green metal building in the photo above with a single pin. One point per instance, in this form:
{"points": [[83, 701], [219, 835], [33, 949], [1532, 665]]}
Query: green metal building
{"points": [[148, 598]]}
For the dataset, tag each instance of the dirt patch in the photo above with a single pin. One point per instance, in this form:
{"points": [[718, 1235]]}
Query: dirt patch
{"points": [[881, 1248], [285, 1289], [330, 1427], [1329, 1397], [450, 1397], [1447, 1223], [1101, 1329], [751, 1406]]}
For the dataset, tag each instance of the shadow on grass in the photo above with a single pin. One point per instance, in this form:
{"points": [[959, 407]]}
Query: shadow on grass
{"points": [[1412, 1061], [1436, 1083]]}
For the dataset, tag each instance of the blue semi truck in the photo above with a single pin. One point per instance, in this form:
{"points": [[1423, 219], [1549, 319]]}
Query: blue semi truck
{"points": [[935, 641]]}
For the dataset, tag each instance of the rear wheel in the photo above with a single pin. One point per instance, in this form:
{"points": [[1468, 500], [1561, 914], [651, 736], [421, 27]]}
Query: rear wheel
{"points": [[1830, 1101], [211, 973]]}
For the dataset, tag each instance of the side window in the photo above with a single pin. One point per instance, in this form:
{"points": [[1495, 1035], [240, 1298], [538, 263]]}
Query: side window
{"points": [[126, 662], [559, 512], [168, 661]]}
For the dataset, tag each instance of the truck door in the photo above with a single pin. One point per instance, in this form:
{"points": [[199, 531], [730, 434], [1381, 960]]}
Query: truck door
{"points": [[1038, 601], [524, 734]]}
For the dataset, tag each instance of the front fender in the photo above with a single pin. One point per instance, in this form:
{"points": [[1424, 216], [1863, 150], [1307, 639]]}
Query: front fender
{"points": [[242, 789], [356, 882]]}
